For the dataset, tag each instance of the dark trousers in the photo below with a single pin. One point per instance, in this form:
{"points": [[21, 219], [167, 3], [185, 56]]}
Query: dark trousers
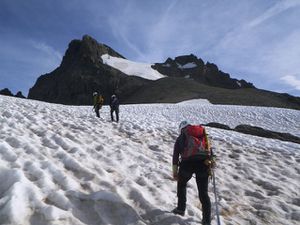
{"points": [[186, 171], [112, 110], [97, 109]]}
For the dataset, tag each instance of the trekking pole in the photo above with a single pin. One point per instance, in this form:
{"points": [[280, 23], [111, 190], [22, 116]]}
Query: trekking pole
{"points": [[216, 198]]}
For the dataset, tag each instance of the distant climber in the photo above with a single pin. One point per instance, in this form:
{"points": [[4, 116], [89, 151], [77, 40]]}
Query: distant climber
{"points": [[114, 107], [98, 102], [192, 154]]}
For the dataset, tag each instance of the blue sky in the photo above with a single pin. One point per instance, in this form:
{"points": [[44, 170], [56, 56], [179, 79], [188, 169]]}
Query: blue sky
{"points": [[255, 40]]}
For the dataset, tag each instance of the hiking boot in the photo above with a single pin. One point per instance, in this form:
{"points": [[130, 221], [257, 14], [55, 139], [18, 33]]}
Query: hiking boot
{"points": [[178, 212], [206, 223]]}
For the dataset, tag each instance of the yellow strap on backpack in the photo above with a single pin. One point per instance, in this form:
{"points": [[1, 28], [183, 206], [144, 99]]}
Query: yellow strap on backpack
{"points": [[175, 169], [207, 142], [101, 99]]}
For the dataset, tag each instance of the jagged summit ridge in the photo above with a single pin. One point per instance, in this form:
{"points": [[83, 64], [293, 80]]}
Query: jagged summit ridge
{"points": [[189, 66]]}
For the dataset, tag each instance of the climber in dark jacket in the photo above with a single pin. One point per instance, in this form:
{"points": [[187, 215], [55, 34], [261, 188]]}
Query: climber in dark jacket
{"points": [[114, 107]]}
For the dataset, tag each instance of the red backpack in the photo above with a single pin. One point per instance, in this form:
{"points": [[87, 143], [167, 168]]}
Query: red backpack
{"points": [[196, 143]]}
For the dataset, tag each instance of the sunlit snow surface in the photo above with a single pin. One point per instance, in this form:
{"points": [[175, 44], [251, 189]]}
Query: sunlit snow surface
{"points": [[62, 165], [131, 68]]}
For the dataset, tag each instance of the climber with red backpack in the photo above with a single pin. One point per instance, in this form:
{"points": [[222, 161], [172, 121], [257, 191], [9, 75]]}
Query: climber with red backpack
{"points": [[192, 155]]}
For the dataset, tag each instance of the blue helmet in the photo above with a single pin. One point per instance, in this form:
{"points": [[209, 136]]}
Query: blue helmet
{"points": [[183, 124]]}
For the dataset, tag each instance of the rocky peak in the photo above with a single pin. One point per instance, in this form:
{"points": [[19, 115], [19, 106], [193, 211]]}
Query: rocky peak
{"points": [[188, 66], [212, 66], [86, 51], [19, 95], [6, 92], [182, 62], [188, 59], [81, 73], [191, 67]]}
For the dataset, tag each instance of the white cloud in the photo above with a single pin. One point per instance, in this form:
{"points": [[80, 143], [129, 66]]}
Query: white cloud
{"points": [[121, 33], [264, 48], [45, 57], [46, 49], [274, 10], [292, 80]]}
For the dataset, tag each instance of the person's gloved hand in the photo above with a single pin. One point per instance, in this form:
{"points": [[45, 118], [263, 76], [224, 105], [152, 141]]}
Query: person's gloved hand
{"points": [[211, 162], [175, 172]]}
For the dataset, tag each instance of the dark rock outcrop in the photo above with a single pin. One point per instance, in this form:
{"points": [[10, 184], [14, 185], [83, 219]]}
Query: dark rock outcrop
{"points": [[258, 131], [86, 52], [218, 125], [189, 66], [6, 92], [19, 95]]}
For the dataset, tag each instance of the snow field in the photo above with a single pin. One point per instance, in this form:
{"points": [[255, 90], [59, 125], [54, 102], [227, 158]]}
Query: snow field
{"points": [[62, 165], [131, 68]]}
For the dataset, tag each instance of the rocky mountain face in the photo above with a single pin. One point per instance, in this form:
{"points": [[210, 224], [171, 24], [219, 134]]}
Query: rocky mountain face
{"points": [[177, 89], [82, 72], [7, 92], [19, 95], [189, 66]]}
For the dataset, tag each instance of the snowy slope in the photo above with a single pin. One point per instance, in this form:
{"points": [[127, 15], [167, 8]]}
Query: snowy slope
{"points": [[61, 165], [195, 102], [128, 67]]}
